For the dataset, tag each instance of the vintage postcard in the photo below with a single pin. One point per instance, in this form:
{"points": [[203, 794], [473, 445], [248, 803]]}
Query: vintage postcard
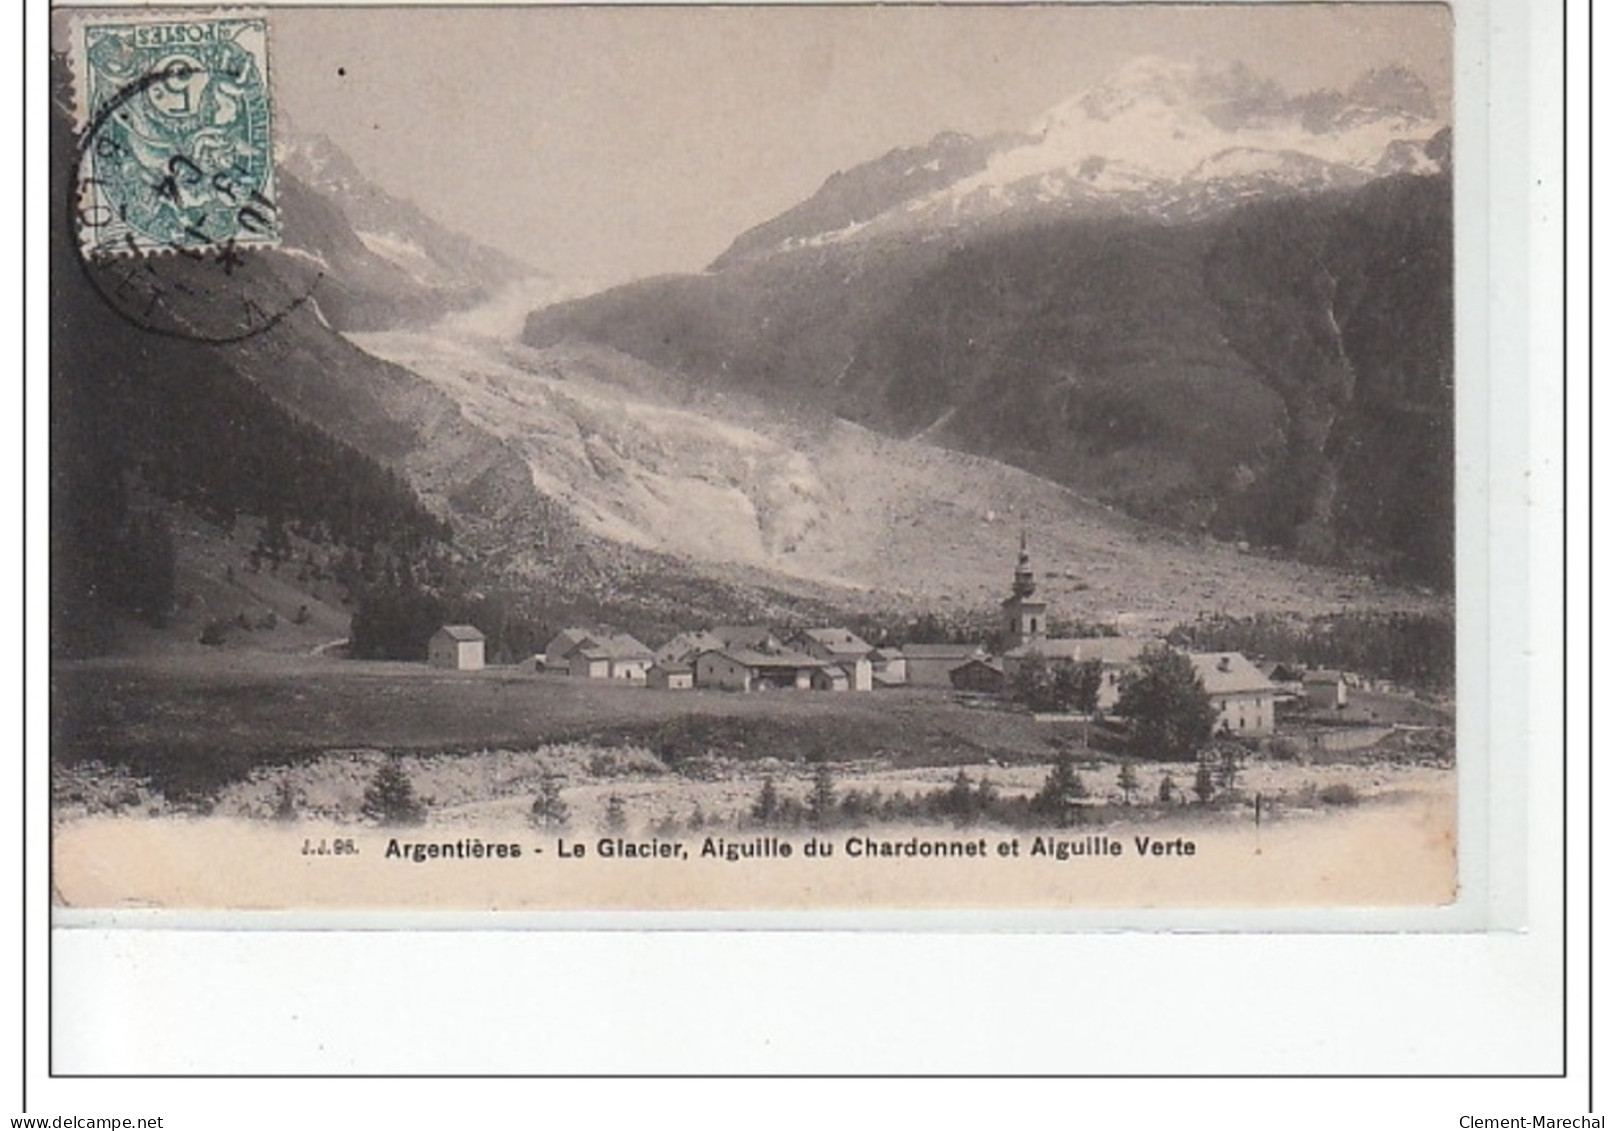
{"points": [[754, 458]]}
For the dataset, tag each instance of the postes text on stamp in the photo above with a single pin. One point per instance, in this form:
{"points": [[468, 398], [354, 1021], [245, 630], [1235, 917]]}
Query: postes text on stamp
{"points": [[179, 152]]}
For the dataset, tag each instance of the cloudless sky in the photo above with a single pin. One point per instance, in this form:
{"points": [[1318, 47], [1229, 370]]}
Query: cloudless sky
{"points": [[606, 142]]}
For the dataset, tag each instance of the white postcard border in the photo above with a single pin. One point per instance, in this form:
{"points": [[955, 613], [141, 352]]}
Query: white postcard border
{"points": [[1500, 986]]}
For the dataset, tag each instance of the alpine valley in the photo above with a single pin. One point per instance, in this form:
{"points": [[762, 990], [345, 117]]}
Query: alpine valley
{"points": [[1193, 332], [1183, 294]]}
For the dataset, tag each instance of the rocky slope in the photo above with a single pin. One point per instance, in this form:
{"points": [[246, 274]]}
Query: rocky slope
{"points": [[388, 263], [668, 447], [733, 487], [1185, 293]]}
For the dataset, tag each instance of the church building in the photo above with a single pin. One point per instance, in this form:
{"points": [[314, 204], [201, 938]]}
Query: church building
{"points": [[1026, 631], [1025, 617]]}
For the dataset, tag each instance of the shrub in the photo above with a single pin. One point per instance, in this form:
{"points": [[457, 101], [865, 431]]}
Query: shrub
{"points": [[549, 811], [1338, 793], [857, 807], [986, 795], [1285, 750], [1229, 760], [791, 812], [214, 633], [287, 801], [622, 761]]}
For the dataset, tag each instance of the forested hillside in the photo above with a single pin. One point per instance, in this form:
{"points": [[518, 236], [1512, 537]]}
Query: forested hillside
{"points": [[1279, 373]]}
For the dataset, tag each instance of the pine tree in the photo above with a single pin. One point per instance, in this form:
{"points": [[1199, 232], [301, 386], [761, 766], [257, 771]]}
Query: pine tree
{"points": [[822, 801], [152, 564], [1127, 781], [1061, 791], [1076, 686], [390, 798], [1090, 677], [1229, 761], [1170, 712], [550, 811], [766, 807], [616, 817], [986, 797], [1033, 684], [960, 800]]}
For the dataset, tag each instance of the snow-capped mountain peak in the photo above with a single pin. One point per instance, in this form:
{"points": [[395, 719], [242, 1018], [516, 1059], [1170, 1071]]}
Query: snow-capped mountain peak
{"points": [[1173, 120], [1151, 82], [1175, 139]]}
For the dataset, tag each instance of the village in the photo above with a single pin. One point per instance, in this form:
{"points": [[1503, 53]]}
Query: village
{"points": [[1249, 696], [744, 726]]}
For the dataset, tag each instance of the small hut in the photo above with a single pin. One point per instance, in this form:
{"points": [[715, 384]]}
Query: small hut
{"points": [[670, 677], [458, 647]]}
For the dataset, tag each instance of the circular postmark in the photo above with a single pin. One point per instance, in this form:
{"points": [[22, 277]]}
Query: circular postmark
{"points": [[171, 203]]}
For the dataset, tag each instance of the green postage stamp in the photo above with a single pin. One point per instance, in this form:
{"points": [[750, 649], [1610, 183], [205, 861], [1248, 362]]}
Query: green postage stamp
{"points": [[177, 151]]}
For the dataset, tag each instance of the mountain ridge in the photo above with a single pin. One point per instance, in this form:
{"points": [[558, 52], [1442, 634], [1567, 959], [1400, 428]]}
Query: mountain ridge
{"points": [[1155, 137], [1246, 359], [671, 450]]}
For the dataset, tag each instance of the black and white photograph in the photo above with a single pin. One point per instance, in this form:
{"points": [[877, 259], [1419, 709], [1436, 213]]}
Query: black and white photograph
{"points": [[753, 458]]}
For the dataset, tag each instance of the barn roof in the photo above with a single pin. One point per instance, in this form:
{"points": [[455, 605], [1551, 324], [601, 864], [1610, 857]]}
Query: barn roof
{"points": [[621, 646], [1228, 673], [1105, 649], [742, 635], [994, 664], [461, 632], [567, 641], [1322, 675], [942, 651], [754, 659], [688, 643], [838, 640], [1114, 649], [617, 646]]}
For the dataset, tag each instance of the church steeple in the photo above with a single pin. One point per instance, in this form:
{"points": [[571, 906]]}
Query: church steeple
{"points": [[1023, 615], [1025, 583]]}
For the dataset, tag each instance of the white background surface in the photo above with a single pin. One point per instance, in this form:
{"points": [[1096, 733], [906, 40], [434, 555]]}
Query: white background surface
{"points": [[1485, 1002]]}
